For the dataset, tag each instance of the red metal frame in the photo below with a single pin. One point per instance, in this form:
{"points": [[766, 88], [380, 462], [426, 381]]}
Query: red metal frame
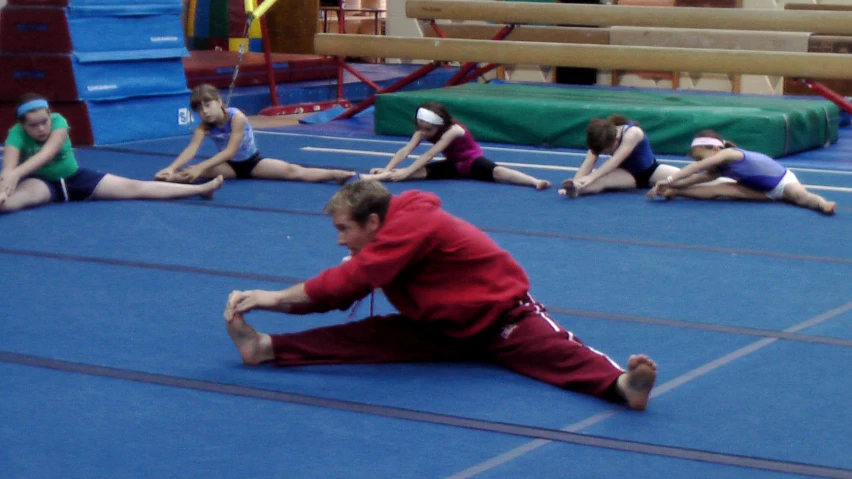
{"points": [[826, 92], [464, 74], [277, 109]]}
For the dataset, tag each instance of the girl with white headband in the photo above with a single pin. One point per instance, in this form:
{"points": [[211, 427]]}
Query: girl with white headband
{"points": [[39, 167], [464, 157], [757, 176], [632, 164]]}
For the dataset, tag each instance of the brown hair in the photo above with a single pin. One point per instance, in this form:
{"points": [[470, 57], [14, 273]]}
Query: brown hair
{"points": [[360, 199], [440, 110], [600, 133], [713, 134], [203, 93], [26, 98]]}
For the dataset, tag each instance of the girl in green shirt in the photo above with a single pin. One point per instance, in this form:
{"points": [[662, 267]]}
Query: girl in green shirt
{"points": [[39, 167]]}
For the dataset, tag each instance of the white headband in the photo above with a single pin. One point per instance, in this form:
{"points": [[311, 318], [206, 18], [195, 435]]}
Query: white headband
{"points": [[707, 141], [429, 116]]}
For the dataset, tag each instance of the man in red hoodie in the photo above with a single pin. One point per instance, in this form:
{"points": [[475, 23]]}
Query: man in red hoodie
{"points": [[459, 296]]}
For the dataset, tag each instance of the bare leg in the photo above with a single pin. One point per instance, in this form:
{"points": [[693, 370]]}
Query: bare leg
{"points": [[720, 190], [254, 348], [119, 188], [271, 169], [617, 179], [29, 193], [661, 173], [635, 385], [514, 177], [797, 194], [224, 170]]}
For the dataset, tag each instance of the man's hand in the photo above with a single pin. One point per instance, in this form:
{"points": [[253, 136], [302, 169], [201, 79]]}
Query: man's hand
{"points": [[240, 302]]}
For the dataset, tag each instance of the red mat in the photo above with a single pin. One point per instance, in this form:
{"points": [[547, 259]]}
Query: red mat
{"points": [[217, 68]]}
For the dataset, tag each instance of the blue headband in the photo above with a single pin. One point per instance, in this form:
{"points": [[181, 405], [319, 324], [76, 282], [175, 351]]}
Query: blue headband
{"points": [[30, 106]]}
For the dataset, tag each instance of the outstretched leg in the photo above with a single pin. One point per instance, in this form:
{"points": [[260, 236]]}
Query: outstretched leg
{"points": [[272, 169], [797, 194], [29, 193], [537, 347], [514, 177], [719, 190], [113, 187], [617, 179]]}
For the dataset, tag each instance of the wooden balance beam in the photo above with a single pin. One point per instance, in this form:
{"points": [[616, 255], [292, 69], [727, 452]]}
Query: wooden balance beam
{"points": [[797, 65], [827, 22], [597, 36]]}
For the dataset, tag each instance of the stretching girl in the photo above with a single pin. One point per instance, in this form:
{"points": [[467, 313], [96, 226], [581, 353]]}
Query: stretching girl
{"points": [[758, 177], [238, 155], [632, 164], [39, 167], [464, 157]]}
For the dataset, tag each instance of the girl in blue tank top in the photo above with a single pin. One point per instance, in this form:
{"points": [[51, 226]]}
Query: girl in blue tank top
{"points": [[632, 164], [238, 155], [757, 176]]}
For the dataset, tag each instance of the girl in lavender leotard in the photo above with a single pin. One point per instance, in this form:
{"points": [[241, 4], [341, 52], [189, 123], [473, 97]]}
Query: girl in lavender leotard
{"points": [[756, 176], [464, 157]]}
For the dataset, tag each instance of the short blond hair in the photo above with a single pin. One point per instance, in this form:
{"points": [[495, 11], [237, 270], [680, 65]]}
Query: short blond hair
{"points": [[360, 199]]}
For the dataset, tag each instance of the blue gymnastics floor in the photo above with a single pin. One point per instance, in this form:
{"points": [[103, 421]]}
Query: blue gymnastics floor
{"points": [[114, 360]]}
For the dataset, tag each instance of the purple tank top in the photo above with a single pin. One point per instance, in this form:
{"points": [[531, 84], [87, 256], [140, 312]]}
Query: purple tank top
{"points": [[463, 151], [756, 171]]}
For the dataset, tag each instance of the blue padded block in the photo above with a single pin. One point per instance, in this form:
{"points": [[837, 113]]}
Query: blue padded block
{"points": [[119, 7], [141, 118], [106, 80], [128, 33]]}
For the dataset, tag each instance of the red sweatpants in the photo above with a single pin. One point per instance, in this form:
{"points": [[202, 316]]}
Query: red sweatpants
{"points": [[529, 343]]}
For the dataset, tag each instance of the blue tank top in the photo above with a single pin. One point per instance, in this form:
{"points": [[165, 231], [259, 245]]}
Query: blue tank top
{"points": [[222, 135], [641, 158], [756, 171]]}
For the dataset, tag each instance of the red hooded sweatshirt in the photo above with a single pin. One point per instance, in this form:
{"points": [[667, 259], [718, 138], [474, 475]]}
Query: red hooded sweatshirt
{"points": [[431, 266]]}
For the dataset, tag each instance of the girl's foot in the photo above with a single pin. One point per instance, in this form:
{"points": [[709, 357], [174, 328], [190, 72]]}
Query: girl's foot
{"points": [[211, 186]]}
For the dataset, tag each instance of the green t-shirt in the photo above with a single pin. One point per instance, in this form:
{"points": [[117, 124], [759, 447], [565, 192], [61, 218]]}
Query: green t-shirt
{"points": [[63, 166]]}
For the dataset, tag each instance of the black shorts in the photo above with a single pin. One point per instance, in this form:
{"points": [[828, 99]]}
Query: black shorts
{"points": [[481, 169], [78, 187], [244, 168], [643, 178]]}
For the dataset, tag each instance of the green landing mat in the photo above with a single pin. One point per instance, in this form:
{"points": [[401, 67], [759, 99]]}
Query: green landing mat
{"points": [[551, 116]]}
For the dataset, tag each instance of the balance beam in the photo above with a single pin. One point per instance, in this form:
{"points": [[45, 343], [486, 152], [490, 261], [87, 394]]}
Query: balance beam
{"points": [[828, 22], [612, 57], [597, 36]]}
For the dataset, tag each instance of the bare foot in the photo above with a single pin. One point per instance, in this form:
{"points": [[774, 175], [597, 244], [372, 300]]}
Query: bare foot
{"points": [[542, 185], [568, 189], [211, 186], [828, 207], [342, 177], [635, 385], [254, 347]]}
